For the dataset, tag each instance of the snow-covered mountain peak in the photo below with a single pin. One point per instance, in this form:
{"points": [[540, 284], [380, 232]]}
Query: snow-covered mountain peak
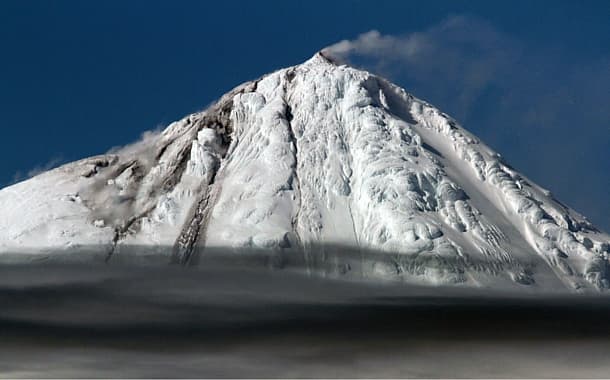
{"points": [[318, 59], [321, 162]]}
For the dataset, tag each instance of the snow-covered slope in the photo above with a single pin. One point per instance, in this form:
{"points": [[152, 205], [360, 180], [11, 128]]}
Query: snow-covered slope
{"points": [[314, 158]]}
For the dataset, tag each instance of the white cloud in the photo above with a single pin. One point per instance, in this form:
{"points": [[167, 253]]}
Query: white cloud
{"points": [[459, 57], [381, 46]]}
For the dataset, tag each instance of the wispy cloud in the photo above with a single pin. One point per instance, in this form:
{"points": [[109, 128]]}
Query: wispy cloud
{"points": [[51, 164], [543, 108], [143, 148], [460, 57], [147, 139]]}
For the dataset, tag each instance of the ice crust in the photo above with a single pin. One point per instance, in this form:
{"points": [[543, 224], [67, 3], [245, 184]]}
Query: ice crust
{"points": [[313, 156]]}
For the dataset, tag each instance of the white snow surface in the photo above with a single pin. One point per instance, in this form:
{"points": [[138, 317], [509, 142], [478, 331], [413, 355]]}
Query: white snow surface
{"points": [[314, 157]]}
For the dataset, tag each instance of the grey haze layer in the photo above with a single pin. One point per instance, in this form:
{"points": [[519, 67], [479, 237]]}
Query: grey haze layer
{"points": [[235, 320]]}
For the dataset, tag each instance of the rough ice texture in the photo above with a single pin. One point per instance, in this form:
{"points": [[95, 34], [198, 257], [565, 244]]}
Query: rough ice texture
{"points": [[309, 158]]}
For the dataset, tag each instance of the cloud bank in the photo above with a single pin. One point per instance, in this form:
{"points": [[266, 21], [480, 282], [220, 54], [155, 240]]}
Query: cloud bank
{"points": [[88, 321], [543, 108]]}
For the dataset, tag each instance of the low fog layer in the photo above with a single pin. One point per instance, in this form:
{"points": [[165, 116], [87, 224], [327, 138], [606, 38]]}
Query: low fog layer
{"points": [[219, 321]]}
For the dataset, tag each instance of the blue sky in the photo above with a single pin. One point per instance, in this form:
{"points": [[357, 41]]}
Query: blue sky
{"points": [[531, 78]]}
